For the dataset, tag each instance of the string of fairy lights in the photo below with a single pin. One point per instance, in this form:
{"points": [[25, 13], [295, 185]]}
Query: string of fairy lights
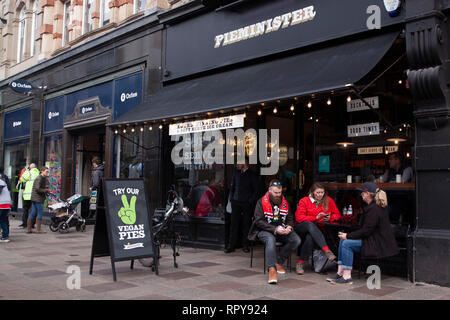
{"points": [[396, 134]]}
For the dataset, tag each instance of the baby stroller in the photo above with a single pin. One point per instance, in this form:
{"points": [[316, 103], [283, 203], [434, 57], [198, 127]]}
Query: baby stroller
{"points": [[64, 215]]}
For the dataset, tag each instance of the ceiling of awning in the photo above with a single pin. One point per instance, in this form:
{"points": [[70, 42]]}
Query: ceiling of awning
{"points": [[313, 71]]}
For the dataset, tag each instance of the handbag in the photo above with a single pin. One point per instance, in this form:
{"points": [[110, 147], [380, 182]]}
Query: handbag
{"points": [[321, 262]]}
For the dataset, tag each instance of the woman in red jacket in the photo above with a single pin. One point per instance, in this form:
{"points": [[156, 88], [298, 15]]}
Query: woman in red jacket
{"points": [[311, 212]]}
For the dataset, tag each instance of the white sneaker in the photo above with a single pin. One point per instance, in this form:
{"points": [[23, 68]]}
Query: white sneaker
{"points": [[4, 240]]}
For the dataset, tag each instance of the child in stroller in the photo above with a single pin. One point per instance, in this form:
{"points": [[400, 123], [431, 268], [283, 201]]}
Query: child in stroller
{"points": [[64, 215]]}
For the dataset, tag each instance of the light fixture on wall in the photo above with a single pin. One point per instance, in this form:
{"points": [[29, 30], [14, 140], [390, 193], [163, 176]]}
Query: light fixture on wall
{"points": [[396, 140], [345, 144]]}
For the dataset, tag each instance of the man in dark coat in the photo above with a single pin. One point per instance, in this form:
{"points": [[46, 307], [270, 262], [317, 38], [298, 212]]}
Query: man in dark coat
{"points": [[244, 193], [97, 177], [274, 222]]}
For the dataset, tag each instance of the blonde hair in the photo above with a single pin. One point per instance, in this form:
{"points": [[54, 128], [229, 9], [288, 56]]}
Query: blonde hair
{"points": [[380, 198]]}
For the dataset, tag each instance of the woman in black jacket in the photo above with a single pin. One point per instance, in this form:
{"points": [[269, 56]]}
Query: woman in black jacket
{"points": [[374, 239]]}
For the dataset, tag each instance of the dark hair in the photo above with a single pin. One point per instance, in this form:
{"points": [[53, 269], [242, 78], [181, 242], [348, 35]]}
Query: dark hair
{"points": [[396, 154], [318, 185], [43, 169], [97, 160]]}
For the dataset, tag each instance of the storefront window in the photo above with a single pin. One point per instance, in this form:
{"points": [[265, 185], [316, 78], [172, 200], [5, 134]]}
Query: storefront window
{"points": [[201, 185], [16, 158], [53, 151], [129, 156]]}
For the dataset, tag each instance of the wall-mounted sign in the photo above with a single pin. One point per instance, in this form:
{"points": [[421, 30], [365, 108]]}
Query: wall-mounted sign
{"points": [[359, 105], [390, 149], [270, 25], [21, 86], [370, 150], [236, 121], [17, 123], [377, 150], [87, 109], [392, 7], [366, 129], [127, 93], [53, 114]]}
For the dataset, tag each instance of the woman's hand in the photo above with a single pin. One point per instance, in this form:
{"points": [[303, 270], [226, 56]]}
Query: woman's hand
{"points": [[342, 236], [320, 215], [326, 218]]}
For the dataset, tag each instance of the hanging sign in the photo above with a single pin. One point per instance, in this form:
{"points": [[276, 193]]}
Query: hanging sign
{"points": [[21, 86], [359, 105], [370, 150], [236, 121], [366, 129]]}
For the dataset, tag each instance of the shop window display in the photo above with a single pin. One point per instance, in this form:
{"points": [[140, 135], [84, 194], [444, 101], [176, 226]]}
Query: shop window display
{"points": [[130, 157], [16, 158], [53, 151]]}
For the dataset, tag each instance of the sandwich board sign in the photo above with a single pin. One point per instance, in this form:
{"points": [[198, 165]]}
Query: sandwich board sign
{"points": [[128, 223]]}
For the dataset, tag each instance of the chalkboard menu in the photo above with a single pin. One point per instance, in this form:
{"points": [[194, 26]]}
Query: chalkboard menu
{"points": [[127, 218], [123, 226]]}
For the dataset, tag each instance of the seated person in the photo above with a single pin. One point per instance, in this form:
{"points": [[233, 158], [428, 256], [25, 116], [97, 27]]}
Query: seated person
{"points": [[311, 212], [273, 221], [396, 167], [375, 238]]}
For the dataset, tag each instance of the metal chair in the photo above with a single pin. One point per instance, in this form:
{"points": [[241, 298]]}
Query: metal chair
{"points": [[278, 246]]}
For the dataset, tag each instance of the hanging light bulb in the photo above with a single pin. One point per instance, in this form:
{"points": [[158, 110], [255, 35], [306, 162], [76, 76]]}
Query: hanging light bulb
{"points": [[349, 99], [160, 126], [245, 114], [124, 131], [275, 110], [142, 129], [116, 131], [329, 102], [309, 104], [408, 155], [150, 128], [292, 108], [259, 112], [132, 129], [400, 81]]}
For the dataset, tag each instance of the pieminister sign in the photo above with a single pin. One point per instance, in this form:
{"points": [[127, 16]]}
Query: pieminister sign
{"points": [[21, 86]]}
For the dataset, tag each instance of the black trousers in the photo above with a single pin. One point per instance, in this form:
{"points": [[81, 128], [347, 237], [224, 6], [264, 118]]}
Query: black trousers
{"points": [[26, 212], [241, 214], [311, 237]]}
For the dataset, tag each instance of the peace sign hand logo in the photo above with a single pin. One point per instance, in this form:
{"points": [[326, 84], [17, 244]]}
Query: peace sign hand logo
{"points": [[128, 213]]}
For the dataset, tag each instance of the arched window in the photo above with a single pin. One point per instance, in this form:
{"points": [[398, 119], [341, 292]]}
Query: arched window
{"points": [[87, 15], [34, 27], [139, 5], [105, 12], [66, 22], [21, 35]]}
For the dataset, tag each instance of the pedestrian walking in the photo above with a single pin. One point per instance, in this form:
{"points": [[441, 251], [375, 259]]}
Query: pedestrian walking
{"points": [[5, 207], [97, 177], [28, 177], [38, 196]]}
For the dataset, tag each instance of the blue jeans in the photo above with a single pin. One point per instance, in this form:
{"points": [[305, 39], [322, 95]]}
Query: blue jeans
{"points": [[4, 223], [291, 242], [345, 252], [36, 208]]}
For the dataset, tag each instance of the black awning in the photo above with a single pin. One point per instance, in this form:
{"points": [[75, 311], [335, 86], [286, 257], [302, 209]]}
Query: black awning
{"points": [[310, 72]]}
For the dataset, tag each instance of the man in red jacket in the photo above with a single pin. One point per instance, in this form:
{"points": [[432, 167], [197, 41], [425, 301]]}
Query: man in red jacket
{"points": [[274, 222]]}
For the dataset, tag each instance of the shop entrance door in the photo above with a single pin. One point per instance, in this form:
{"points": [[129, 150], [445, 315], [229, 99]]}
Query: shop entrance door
{"points": [[87, 146]]}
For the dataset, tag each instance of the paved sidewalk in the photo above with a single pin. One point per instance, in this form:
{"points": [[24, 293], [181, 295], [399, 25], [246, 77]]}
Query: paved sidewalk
{"points": [[33, 266]]}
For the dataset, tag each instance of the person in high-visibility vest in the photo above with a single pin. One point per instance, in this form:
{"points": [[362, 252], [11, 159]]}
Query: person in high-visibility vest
{"points": [[28, 178]]}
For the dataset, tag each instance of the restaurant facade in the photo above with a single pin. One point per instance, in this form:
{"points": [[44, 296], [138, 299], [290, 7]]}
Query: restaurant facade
{"points": [[321, 91]]}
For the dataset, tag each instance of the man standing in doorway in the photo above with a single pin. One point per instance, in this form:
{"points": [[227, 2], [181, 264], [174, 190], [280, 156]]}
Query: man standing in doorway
{"points": [[97, 177], [244, 193], [28, 177]]}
